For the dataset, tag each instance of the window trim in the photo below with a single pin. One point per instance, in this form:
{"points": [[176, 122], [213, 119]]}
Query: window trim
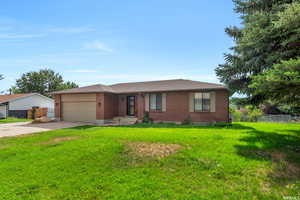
{"points": [[161, 104], [202, 102]]}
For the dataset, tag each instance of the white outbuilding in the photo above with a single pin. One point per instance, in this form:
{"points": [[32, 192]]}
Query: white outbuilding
{"points": [[17, 105]]}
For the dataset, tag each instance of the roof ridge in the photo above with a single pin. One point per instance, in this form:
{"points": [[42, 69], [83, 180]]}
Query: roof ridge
{"points": [[204, 82], [167, 80], [150, 81], [99, 84]]}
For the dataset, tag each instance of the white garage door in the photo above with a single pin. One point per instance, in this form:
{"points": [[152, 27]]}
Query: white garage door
{"points": [[79, 108], [3, 111]]}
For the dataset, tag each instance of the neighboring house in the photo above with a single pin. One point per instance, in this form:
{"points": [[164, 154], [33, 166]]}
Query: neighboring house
{"points": [[16, 105], [166, 101]]}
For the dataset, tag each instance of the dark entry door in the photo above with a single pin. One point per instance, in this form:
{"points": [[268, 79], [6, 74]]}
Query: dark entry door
{"points": [[130, 105]]}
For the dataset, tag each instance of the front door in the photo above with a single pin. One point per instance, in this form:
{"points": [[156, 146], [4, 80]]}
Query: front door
{"points": [[130, 105]]}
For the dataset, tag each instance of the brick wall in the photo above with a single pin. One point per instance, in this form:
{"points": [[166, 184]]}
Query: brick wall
{"points": [[100, 106], [140, 105], [110, 106], [177, 109], [122, 105], [57, 104]]}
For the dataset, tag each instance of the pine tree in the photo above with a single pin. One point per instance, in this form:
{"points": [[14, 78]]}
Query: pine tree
{"points": [[266, 37]]}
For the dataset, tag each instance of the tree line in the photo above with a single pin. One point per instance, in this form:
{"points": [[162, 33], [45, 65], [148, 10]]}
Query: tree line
{"points": [[43, 82]]}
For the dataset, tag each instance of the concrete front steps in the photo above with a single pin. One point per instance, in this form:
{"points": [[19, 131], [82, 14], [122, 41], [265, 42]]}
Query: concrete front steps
{"points": [[128, 120]]}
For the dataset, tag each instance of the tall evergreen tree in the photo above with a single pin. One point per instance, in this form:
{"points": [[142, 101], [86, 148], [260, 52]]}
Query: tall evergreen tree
{"points": [[280, 84], [266, 38]]}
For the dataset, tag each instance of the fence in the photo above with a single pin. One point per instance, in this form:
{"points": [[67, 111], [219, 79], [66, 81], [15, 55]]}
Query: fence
{"points": [[279, 118], [37, 113]]}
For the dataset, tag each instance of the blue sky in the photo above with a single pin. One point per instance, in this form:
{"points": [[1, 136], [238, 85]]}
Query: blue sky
{"points": [[105, 41]]}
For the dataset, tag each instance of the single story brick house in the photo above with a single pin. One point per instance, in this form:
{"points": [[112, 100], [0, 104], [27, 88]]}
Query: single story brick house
{"points": [[166, 101]]}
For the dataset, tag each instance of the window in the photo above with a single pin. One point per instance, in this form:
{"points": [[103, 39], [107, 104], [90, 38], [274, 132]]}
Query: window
{"points": [[156, 102], [202, 101]]}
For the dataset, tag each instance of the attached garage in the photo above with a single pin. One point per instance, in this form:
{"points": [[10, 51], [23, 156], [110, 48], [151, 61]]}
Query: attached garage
{"points": [[79, 107]]}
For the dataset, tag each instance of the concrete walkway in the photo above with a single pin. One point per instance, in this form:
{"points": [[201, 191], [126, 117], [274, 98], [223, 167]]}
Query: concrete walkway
{"points": [[20, 128]]}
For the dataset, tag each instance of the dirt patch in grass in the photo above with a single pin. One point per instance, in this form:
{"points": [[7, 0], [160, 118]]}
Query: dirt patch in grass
{"points": [[4, 146], [282, 170], [60, 139], [277, 156], [154, 150], [25, 135], [282, 167]]}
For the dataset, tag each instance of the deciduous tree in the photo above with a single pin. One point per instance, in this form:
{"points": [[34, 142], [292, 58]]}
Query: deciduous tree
{"points": [[44, 82]]}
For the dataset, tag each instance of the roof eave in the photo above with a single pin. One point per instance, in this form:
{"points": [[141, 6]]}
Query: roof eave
{"points": [[16, 98], [140, 91]]}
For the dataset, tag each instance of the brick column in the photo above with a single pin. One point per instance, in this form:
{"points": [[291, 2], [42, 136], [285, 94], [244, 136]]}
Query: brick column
{"points": [[140, 106], [100, 108], [57, 104]]}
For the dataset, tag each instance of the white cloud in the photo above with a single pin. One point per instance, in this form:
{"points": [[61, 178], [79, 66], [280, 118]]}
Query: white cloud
{"points": [[97, 45], [70, 30], [20, 36]]}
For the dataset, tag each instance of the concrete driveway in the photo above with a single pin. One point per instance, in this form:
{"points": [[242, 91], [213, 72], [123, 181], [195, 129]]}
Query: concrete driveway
{"points": [[20, 128]]}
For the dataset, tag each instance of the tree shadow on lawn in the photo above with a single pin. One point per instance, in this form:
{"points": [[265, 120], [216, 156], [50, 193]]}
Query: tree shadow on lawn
{"points": [[282, 150], [297, 132]]}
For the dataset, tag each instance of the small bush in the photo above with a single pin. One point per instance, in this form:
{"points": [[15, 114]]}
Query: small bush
{"points": [[147, 118], [235, 114], [253, 114], [246, 114], [187, 121], [222, 124]]}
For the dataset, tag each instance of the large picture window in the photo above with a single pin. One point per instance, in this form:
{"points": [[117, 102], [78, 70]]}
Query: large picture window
{"points": [[202, 101], [156, 102]]}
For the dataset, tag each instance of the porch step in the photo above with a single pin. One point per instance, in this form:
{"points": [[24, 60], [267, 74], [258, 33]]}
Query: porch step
{"points": [[124, 120]]}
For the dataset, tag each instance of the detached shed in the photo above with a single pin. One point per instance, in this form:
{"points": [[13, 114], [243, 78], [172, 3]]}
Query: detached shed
{"points": [[16, 105]]}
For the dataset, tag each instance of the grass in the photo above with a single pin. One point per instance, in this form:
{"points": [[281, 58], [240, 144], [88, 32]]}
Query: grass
{"points": [[13, 120], [242, 161]]}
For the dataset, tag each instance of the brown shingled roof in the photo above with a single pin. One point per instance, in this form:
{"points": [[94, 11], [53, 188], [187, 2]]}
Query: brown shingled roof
{"points": [[149, 86], [9, 97], [165, 85], [87, 89]]}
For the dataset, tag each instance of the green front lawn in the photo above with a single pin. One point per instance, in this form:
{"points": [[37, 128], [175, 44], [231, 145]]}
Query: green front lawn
{"points": [[244, 161], [13, 120]]}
